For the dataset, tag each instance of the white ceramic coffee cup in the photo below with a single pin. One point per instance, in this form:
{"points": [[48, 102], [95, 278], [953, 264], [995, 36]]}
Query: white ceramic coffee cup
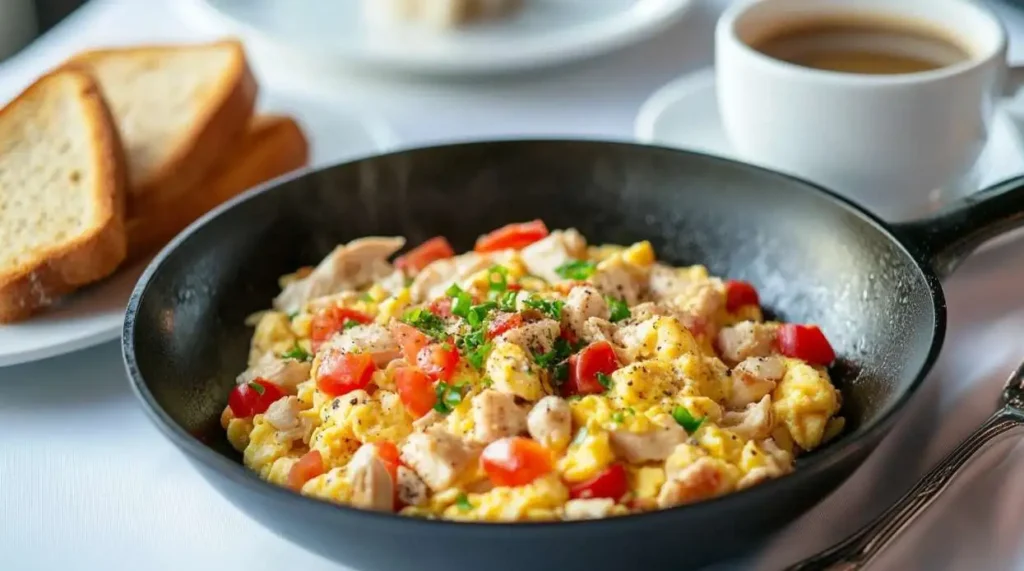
{"points": [[887, 141]]}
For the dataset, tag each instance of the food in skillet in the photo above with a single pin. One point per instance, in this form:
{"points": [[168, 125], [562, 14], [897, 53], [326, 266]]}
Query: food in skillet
{"points": [[535, 378]]}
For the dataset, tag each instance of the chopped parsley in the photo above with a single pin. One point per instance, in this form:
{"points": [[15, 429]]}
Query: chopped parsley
{"points": [[349, 324], [560, 373], [260, 389], [427, 322], [619, 309], [477, 356], [576, 270], [486, 381], [507, 301], [297, 353], [686, 420], [462, 501], [497, 278], [550, 307], [476, 314], [605, 380], [560, 351], [448, 397]]}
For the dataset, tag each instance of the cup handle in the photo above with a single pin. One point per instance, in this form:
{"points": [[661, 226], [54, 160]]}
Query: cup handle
{"points": [[1014, 81]]}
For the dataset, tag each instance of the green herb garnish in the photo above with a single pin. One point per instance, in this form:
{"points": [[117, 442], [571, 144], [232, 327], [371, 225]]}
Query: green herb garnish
{"points": [[260, 389], [605, 380], [686, 420], [425, 321], [366, 296], [507, 300], [448, 397], [461, 301], [550, 307], [619, 309], [497, 278], [560, 373], [618, 417], [560, 351], [463, 503], [297, 353], [576, 270], [478, 313], [349, 324], [477, 357]]}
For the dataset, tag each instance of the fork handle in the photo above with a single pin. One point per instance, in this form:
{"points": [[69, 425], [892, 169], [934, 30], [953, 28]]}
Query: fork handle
{"points": [[860, 549]]}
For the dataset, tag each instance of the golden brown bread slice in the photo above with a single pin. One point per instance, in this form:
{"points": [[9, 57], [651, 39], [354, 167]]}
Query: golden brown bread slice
{"points": [[62, 192], [177, 107], [273, 146]]}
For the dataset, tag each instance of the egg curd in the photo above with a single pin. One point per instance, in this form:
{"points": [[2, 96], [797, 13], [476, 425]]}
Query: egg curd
{"points": [[534, 378]]}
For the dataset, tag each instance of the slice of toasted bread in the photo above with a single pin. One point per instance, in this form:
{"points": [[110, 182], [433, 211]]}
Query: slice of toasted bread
{"points": [[62, 191], [273, 146], [177, 107]]}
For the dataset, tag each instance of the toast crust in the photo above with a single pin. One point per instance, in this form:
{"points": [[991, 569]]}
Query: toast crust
{"points": [[224, 121], [96, 253], [273, 146]]}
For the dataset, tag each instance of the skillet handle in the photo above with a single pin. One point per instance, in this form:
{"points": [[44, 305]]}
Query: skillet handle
{"points": [[861, 549], [946, 239]]}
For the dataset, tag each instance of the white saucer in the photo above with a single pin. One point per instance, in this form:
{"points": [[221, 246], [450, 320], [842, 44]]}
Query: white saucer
{"points": [[95, 314], [684, 114], [545, 32]]}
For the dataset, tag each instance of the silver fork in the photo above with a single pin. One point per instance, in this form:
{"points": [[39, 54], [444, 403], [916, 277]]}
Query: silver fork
{"points": [[861, 548]]}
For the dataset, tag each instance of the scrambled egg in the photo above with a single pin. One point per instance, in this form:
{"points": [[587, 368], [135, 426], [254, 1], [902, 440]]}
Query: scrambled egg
{"points": [[449, 421]]}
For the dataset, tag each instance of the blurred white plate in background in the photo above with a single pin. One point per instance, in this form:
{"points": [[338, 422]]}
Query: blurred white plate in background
{"points": [[543, 33]]}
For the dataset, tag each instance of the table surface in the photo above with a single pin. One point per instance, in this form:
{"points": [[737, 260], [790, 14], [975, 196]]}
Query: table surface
{"points": [[87, 483]]}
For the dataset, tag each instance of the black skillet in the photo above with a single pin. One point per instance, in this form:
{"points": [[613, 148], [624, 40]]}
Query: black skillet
{"points": [[815, 257]]}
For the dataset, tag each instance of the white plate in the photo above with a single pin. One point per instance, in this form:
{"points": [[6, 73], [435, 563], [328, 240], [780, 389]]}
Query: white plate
{"points": [[544, 32], [95, 314], [684, 114]]}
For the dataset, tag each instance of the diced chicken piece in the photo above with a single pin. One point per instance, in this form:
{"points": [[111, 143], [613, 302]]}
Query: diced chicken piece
{"points": [[614, 278], [754, 378], [412, 491], [372, 488], [754, 423], [371, 338], [320, 304], [560, 247], [550, 422], [593, 508], [597, 329], [655, 445], [704, 479], [537, 337], [702, 301], [582, 304], [746, 339], [347, 268], [665, 282], [756, 476], [283, 414], [423, 423], [286, 373], [393, 283], [432, 281], [437, 456], [496, 415]]}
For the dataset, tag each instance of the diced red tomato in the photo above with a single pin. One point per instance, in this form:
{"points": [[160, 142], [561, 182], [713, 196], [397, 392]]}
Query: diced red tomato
{"points": [[515, 461], [410, 339], [805, 342], [341, 373], [332, 320], [254, 397], [514, 287], [598, 357], [415, 390], [421, 256], [441, 307], [309, 466], [388, 454], [512, 237], [610, 483], [503, 322], [438, 360], [739, 294]]}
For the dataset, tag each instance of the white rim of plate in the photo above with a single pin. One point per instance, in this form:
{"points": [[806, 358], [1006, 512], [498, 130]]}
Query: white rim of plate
{"points": [[598, 37]]}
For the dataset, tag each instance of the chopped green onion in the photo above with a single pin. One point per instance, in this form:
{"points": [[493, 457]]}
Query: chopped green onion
{"points": [[619, 309], [260, 389], [448, 397], [497, 278], [686, 420], [551, 308], [463, 503], [507, 301], [461, 301], [618, 417], [576, 270], [560, 351], [477, 357], [478, 313], [605, 380], [297, 353]]}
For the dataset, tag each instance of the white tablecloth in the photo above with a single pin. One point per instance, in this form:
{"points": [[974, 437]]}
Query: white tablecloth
{"points": [[87, 483]]}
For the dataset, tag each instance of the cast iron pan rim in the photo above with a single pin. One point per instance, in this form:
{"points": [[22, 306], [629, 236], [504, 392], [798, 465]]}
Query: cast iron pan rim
{"points": [[238, 474]]}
